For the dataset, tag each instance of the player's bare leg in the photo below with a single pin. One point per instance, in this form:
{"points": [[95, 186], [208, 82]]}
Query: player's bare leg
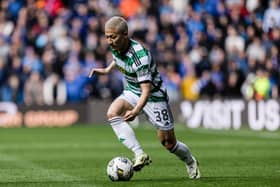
{"points": [[168, 140]]}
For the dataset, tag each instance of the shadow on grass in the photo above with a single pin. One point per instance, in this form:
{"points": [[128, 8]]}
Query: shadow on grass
{"points": [[221, 181], [159, 180], [239, 178], [213, 179]]}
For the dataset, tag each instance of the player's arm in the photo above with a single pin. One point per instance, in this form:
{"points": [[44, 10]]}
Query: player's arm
{"points": [[102, 71], [146, 88]]}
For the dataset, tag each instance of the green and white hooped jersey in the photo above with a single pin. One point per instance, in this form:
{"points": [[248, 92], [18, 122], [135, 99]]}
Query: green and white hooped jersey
{"points": [[137, 65]]}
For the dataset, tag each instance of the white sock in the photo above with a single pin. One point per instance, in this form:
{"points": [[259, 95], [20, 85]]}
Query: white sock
{"points": [[182, 151], [126, 135]]}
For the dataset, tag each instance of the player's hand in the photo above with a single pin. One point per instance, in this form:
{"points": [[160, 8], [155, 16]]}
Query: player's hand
{"points": [[91, 73], [130, 115]]}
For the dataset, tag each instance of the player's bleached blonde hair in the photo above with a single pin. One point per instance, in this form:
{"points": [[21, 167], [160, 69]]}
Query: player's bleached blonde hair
{"points": [[117, 23]]}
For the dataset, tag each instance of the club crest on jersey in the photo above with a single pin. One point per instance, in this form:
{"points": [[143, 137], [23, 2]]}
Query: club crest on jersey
{"points": [[143, 72]]}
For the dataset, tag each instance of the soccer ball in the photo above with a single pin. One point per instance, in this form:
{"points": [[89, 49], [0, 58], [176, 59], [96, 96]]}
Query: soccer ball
{"points": [[120, 169]]}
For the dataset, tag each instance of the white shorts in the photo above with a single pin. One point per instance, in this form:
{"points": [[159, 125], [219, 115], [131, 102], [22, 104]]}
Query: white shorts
{"points": [[158, 113]]}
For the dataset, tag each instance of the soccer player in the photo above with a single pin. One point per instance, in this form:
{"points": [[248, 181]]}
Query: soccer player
{"points": [[144, 92]]}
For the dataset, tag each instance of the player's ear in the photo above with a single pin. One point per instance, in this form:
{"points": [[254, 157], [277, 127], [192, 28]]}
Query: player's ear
{"points": [[125, 35]]}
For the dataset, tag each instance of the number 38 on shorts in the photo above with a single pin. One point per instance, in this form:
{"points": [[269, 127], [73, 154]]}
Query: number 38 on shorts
{"points": [[159, 114]]}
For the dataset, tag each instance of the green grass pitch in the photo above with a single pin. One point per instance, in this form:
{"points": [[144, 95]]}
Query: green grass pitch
{"points": [[77, 156]]}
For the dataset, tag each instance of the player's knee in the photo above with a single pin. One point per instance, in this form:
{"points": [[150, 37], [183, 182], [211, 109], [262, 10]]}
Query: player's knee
{"points": [[111, 115], [114, 119], [168, 144]]}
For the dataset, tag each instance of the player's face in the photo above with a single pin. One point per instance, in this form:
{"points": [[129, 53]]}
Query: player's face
{"points": [[115, 40]]}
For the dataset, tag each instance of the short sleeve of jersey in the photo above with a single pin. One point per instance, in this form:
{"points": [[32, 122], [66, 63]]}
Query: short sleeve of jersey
{"points": [[143, 70]]}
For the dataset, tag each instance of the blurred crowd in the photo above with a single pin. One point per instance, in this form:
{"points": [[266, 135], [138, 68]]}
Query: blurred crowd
{"points": [[203, 48]]}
